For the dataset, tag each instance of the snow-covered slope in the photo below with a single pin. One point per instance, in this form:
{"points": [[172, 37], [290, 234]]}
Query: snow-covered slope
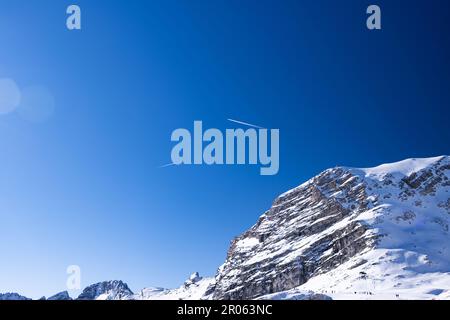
{"points": [[295, 294], [195, 288], [350, 233]]}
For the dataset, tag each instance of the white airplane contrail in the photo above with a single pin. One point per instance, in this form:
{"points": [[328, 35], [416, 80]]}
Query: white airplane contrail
{"points": [[167, 165], [245, 123]]}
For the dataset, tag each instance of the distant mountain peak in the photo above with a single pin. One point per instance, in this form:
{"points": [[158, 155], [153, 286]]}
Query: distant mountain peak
{"points": [[64, 295], [107, 290], [12, 296], [193, 279]]}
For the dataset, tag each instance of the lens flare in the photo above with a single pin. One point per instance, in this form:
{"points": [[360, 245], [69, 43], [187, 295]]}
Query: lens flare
{"points": [[9, 96], [38, 104]]}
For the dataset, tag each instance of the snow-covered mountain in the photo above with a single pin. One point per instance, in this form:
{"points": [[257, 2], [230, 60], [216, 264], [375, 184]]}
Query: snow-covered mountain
{"points": [[60, 296], [195, 288], [107, 290], [348, 233], [12, 296]]}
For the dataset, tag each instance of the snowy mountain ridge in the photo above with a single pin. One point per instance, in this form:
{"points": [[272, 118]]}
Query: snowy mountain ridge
{"points": [[12, 296], [347, 233]]}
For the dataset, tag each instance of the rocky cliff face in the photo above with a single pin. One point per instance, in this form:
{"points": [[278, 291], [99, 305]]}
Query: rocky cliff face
{"points": [[338, 216]]}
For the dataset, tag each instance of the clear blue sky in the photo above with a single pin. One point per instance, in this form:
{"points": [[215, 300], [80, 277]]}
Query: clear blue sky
{"points": [[84, 186]]}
